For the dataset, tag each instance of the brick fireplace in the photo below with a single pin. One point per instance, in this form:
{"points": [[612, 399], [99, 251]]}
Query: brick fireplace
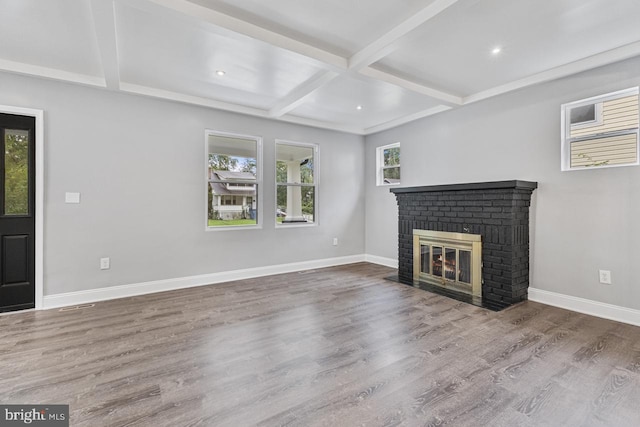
{"points": [[497, 211]]}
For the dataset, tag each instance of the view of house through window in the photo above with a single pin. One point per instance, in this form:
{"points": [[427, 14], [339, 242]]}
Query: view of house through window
{"points": [[388, 164], [296, 183], [601, 131], [232, 180]]}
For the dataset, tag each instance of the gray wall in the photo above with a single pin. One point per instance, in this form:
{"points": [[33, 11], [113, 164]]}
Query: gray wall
{"points": [[139, 165], [581, 221]]}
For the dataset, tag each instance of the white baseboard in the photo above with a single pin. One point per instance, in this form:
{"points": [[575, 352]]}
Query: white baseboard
{"points": [[581, 305], [122, 291], [388, 262]]}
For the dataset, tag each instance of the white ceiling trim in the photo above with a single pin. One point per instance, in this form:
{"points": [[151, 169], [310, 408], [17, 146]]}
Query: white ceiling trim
{"points": [[406, 119], [614, 55], [300, 93], [445, 97], [324, 125], [103, 13], [239, 26], [190, 99], [227, 106], [384, 45], [50, 73]]}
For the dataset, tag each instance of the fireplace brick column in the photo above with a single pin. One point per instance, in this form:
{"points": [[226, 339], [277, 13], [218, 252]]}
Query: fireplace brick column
{"points": [[498, 211]]}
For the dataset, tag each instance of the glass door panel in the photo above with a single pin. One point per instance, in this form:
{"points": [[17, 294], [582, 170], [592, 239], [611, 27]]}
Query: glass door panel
{"points": [[464, 266], [450, 264], [16, 172], [436, 263]]}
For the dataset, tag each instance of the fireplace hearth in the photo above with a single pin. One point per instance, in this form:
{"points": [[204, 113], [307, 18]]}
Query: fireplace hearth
{"points": [[443, 228]]}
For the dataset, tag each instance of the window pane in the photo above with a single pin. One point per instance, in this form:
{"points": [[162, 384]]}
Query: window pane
{"points": [[391, 156], [229, 210], [586, 113], [294, 164], [16, 172], [391, 175], [232, 187], [295, 204]]}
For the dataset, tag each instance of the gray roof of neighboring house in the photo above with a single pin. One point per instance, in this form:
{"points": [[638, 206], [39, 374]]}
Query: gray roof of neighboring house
{"points": [[221, 188], [233, 175]]}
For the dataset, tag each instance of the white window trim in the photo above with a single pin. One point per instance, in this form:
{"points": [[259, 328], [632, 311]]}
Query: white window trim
{"points": [[380, 167], [565, 150], [316, 183], [259, 174]]}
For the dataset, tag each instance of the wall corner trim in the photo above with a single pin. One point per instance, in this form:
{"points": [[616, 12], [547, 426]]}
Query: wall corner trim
{"points": [[582, 305], [135, 289]]}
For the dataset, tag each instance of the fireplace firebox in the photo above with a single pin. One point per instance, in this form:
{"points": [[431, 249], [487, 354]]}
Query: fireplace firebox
{"points": [[449, 260]]}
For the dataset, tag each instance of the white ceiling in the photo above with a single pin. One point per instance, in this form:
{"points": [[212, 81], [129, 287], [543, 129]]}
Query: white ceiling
{"points": [[313, 62]]}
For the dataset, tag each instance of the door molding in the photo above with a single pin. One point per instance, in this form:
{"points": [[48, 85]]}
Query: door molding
{"points": [[39, 116]]}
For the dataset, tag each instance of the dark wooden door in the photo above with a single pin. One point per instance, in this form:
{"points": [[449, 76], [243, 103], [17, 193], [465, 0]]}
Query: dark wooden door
{"points": [[17, 212]]}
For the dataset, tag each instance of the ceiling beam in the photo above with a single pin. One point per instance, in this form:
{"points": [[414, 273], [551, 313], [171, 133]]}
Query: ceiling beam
{"points": [[104, 22], [441, 96], [300, 93], [219, 19], [228, 106], [406, 119], [50, 73], [384, 45]]}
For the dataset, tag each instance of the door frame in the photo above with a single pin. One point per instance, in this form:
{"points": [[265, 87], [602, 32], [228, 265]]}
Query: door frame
{"points": [[39, 212]]}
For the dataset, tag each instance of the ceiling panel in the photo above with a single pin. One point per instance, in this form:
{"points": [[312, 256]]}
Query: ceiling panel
{"points": [[55, 34], [381, 102], [452, 52], [341, 27], [178, 56], [306, 61]]}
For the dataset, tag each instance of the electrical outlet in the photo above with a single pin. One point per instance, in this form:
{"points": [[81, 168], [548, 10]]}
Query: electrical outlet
{"points": [[105, 263], [335, 241], [605, 277]]}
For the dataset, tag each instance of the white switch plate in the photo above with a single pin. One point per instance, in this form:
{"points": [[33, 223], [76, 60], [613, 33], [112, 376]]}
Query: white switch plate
{"points": [[605, 277], [335, 241], [105, 263], [71, 197]]}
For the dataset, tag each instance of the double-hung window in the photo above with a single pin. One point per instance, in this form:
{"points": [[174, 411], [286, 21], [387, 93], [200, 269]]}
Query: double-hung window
{"points": [[388, 164], [296, 183], [233, 179], [601, 131]]}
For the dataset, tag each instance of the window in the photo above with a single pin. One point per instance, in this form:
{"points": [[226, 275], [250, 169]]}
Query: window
{"points": [[296, 183], [233, 180], [601, 131], [388, 164]]}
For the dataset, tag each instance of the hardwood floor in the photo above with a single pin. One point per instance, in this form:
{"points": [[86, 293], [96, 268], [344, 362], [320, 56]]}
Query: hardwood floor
{"points": [[331, 347]]}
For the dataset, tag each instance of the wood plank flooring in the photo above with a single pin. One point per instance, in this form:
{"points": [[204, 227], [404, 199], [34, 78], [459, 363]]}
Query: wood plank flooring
{"points": [[332, 347]]}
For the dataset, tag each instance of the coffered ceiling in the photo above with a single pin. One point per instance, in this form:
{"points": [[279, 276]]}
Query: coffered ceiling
{"points": [[359, 66]]}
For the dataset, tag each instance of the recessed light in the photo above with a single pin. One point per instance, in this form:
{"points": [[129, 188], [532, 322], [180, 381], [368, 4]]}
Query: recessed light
{"points": [[496, 50], [220, 72], [359, 107]]}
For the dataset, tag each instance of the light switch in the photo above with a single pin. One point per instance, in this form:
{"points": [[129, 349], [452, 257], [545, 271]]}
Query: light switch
{"points": [[72, 197]]}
